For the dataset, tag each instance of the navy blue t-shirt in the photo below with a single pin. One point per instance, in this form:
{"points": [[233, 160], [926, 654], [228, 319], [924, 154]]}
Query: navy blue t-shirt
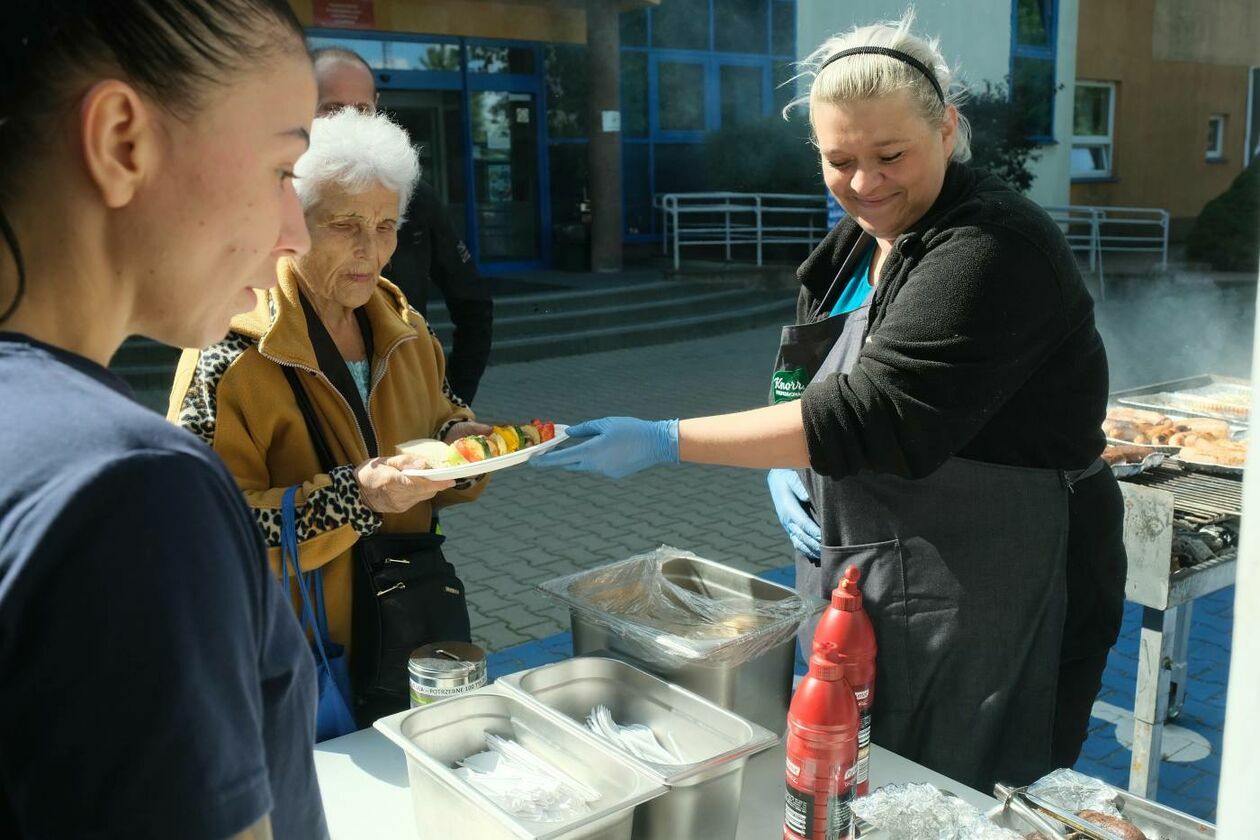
{"points": [[153, 679]]}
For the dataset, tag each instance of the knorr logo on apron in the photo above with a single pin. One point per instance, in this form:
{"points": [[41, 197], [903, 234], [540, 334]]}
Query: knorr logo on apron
{"points": [[787, 385]]}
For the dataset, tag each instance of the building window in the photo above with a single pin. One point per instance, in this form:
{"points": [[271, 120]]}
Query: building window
{"points": [[1034, 31], [412, 55], [741, 94], [1216, 137], [568, 89], [1033, 22], [634, 28], [634, 94], [680, 96], [1093, 129], [740, 26], [681, 25], [783, 32], [492, 58]]}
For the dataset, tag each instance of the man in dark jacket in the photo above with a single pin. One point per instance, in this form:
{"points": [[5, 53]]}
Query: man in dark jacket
{"points": [[429, 248]]}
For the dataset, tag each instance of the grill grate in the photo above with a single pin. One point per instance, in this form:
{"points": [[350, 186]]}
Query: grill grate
{"points": [[1197, 496]]}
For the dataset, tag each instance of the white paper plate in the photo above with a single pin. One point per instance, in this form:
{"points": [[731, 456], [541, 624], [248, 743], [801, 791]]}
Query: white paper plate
{"points": [[492, 464]]}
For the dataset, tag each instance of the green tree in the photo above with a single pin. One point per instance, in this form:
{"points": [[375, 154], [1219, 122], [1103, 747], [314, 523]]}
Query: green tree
{"points": [[999, 136]]}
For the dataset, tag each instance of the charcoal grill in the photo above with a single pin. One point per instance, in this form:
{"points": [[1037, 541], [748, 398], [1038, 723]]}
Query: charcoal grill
{"points": [[1157, 503]]}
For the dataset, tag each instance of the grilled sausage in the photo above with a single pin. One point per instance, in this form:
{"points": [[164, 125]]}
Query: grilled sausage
{"points": [[1117, 826]]}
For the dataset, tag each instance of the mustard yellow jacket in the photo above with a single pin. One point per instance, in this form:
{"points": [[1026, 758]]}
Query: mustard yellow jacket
{"points": [[235, 397]]}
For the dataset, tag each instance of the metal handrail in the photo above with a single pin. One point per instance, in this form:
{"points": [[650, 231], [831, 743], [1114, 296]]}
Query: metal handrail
{"points": [[724, 210], [1101, 233], [1086, 228]]}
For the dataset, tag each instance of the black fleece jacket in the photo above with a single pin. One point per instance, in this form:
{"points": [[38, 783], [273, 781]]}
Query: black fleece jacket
{"points": [[981, 344]]}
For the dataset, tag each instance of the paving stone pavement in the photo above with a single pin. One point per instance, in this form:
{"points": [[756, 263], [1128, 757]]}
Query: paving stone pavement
{"points": [[532, 525]]}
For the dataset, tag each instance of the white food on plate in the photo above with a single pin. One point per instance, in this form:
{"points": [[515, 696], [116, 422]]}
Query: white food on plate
{"points": [[434, 452]]}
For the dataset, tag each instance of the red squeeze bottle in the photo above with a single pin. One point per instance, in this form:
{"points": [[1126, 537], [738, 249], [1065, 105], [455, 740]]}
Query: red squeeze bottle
{"points": [[846, 625], [821, 752]]}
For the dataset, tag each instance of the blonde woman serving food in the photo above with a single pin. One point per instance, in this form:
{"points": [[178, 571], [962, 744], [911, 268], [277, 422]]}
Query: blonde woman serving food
{"points": [[936, 422]]}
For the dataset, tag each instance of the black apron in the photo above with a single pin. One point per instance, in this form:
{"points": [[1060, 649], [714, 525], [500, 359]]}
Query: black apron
{"points": [[962, 575]]}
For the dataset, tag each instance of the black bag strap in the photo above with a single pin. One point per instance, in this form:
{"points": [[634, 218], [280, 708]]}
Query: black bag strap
{"points": [[322, 452]]}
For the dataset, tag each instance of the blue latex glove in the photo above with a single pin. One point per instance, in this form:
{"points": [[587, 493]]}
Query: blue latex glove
{"points": [[617, 446], [789, 495]]}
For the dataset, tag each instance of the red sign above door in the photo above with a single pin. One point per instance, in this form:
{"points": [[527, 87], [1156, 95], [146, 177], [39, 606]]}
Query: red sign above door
{"points": [[345, 14]]}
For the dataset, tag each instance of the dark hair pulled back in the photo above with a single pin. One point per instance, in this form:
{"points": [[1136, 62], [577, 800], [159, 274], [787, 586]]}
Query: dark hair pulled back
{"points": [[173, 51]]}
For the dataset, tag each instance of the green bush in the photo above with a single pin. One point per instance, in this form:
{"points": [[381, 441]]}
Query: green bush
{"points": [[770, 155], [1227, 232]]}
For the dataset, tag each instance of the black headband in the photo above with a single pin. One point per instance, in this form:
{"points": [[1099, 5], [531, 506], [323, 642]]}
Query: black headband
{"points": [[905, 58]]}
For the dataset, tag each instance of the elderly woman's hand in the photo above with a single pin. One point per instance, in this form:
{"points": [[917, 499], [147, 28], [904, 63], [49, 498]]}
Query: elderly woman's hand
{"points": [[386, 490]]}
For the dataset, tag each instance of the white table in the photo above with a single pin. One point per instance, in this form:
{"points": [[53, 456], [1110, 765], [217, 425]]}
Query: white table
{"points": [[363, 779]]}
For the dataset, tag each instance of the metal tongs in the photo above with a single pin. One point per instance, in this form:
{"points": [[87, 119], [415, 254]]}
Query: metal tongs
{"points": [[1034, 810]]}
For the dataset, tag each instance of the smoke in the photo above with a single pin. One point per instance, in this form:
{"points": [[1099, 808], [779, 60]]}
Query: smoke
{"points": [[1165, 330]]}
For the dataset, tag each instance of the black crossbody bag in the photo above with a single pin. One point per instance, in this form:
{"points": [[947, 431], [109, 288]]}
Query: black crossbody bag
{"points": [[405, 594]]}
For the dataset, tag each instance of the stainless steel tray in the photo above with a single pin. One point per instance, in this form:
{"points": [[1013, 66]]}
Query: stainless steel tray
{"points": [[1149, 447], [1237, 431], [1183, 396], [1157, 822]]}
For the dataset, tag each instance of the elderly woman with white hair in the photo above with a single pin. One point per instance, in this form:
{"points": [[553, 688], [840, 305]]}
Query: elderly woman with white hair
{"points": [[941, 396], [317, 386]]}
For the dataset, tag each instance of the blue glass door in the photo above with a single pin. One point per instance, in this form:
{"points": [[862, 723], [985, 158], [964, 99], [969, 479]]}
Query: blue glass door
{"points": [[507, 170]]}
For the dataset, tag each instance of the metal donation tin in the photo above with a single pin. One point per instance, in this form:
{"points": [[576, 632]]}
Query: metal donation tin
{"points": [[445, 669]]}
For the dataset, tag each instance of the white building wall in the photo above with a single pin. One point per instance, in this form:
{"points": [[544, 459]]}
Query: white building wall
{"points": [[976, 39], [1053, 168]]}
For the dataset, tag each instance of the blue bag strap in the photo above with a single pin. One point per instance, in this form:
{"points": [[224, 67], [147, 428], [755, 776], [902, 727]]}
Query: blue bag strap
{"points": [[288, 553], [289, 556], [316, 582]]}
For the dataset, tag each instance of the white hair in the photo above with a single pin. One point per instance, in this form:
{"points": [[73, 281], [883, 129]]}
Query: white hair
{"points": [[858, 77], [357, 151]]}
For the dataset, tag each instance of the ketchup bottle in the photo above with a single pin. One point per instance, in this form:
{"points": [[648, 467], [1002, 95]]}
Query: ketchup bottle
{"points": [[821, 751], [846, 625]]}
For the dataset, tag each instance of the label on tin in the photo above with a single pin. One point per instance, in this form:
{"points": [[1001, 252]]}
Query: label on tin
{"points": [[423, 696]]}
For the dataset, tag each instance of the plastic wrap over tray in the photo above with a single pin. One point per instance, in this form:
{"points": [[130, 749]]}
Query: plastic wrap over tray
{"points": [[921, 811], [672, 624]]}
